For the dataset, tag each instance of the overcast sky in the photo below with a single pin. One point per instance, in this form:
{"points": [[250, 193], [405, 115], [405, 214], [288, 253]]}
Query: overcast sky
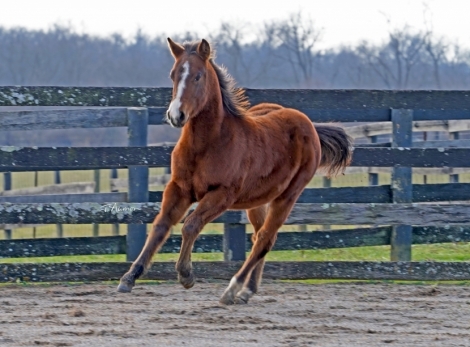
{"points": [[343, 21]]}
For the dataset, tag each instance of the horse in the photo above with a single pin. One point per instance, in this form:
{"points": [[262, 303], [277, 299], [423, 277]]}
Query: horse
{"points": [[231, 156]]}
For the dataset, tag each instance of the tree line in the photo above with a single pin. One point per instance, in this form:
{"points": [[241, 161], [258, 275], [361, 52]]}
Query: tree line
{"points": [[278, 54]]}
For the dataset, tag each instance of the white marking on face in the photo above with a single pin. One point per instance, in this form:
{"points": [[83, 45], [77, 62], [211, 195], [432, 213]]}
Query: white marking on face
{"points": [[174, 108]]}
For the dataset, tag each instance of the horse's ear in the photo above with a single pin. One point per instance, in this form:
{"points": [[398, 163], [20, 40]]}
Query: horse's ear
{"points": [[204, 49], [176, 49]]}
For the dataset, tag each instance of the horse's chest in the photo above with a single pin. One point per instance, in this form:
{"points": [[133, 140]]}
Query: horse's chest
{"points": [[205, 172], [197, 178]]}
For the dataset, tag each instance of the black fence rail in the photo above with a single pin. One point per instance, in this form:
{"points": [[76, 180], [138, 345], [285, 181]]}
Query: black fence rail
{"points": [[399, 214]]}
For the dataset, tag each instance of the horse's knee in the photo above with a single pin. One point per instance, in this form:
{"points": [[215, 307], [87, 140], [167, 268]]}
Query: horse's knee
{"points": [[271, 242], [158, 233], [191, 229]]}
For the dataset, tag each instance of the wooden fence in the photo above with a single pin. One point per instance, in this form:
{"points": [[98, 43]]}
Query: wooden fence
{"points": [[399, 214]]}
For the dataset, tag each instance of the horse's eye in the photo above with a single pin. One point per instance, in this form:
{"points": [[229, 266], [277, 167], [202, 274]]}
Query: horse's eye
{"points": [[198, 77]]}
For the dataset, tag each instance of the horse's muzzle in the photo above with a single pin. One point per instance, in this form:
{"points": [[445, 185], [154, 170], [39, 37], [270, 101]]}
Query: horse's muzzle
{"points": [[178, 122]]}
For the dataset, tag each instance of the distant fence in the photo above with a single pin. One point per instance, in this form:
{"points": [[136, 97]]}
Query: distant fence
{"points": [[399, 214]]}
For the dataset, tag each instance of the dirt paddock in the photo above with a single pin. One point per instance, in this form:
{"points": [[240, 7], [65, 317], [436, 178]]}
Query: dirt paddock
{"points": [[284, 314]]}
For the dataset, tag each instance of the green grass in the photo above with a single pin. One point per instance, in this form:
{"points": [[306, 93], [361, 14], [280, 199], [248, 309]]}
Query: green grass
{"points": [[434, 252]]}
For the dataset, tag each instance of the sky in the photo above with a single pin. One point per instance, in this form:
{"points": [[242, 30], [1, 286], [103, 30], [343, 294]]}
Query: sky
{"points": [[344, 22]]}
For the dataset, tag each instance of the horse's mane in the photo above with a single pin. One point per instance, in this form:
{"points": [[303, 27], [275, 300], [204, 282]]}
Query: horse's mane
{"points": [[233, 98]]}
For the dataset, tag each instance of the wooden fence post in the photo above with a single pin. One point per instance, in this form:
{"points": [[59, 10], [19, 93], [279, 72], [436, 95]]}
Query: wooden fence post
{"points": [[58, 227], [36, 182], [234, 242], [96, 178], [326, 184], [425, 138], [454, 178], [402, 185], [373, 177], [138, 179], [114, 227], [7, 186]]}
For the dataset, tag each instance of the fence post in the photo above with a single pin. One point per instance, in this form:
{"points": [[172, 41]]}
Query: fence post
{"points": [[115, 226], [373, 177], [138, 179], [454, 178], [96, 178], [326, 183], [402, 185], [234, 242], [36, 181], [425, 138], [58, 227], [7, 186]]}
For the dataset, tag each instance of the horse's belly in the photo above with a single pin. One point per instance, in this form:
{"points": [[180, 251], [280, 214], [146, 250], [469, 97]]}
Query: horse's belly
{"points": [[258, 196], [246, 205]]}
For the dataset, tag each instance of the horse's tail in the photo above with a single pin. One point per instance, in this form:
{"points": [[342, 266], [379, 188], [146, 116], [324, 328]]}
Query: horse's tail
{"points": [[336, 148]]}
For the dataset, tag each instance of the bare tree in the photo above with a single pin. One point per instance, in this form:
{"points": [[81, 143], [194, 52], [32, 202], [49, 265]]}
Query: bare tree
{"points": [[437, 50], [394, 62], [295, 40], [280, 54]]}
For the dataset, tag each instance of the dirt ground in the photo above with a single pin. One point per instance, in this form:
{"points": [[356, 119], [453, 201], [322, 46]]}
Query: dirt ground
{"points": [[283, 314]]}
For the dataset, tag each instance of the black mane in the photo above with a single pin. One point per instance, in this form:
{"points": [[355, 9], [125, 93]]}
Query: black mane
{"points": [[234, 99]]}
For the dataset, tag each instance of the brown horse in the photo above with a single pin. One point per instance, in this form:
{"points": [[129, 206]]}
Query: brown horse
{"points": [[230, 156]]}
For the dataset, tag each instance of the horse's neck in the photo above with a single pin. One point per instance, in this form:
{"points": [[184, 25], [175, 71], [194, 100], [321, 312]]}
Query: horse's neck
{"points": [[204, 129]]}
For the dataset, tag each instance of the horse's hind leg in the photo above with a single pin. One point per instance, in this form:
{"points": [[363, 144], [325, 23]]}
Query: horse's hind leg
{"points": [[265, 238], [174, 205], [278, 212], [257, 216]]}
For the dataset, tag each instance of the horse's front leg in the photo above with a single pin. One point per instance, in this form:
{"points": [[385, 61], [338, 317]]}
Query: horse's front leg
{"points": [[175, 203], [212, 205]]}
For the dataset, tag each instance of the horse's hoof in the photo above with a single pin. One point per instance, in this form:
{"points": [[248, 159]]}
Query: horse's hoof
{"points": [[243, 296], [240, 301], [224, 301], [227, 299], [124, 287], [188, 281]]}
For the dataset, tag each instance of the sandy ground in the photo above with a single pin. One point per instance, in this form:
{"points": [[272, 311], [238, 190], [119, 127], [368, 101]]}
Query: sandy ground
{"points": [[284, 314]]}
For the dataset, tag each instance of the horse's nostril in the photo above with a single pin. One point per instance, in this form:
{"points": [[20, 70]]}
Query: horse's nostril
{"points": [[181, 116]]}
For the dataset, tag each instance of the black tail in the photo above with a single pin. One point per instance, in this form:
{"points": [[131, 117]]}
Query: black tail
{"points": [[336, 147]]}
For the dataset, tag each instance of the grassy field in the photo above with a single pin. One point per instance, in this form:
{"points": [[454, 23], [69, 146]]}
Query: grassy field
{"points": [[435, 252]]}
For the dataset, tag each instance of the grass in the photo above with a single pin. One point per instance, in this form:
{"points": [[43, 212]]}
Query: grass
{"points": [[434, 252]]}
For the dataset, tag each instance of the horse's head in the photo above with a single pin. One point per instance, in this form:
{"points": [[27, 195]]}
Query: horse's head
{"points": [[191, 75]]}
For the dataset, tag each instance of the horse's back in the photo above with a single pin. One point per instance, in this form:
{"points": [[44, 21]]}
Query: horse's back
{"points": [[287, 118], [263, 109]]}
